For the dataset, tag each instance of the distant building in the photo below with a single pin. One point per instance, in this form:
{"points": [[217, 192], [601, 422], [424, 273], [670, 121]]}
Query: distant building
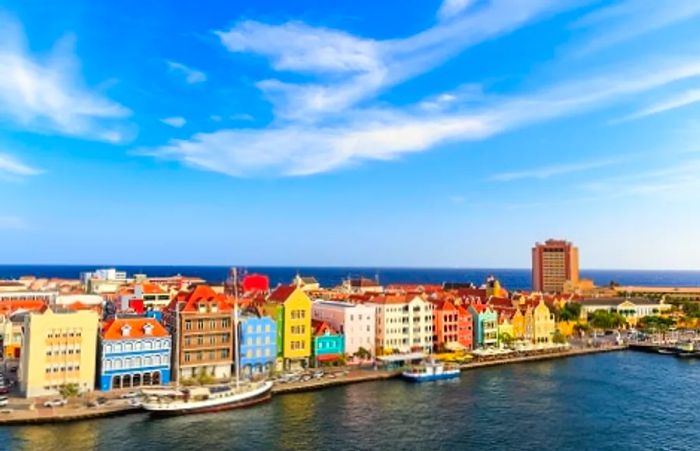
{"points": [[134, 352], [59, 348], [362, 285], [404, 324], [306, 283], [553, 264], [328, 344], [291, 309], [258, 344], [485, 328], [631, 308], [453, 326]]}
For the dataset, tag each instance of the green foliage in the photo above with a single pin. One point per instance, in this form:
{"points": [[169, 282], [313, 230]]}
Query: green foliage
{"points": [[505, 338], [602, 319], [570, 312], [187, 382], [559, 338], [204, 378], [691, 309], [655, 324], [363, 353], [69, 390]]}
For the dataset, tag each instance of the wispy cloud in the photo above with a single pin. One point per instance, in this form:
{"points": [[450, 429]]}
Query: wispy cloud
{"points": [[678, 101], [632, 18], [365, 134], [192, 76], [546, 172], [11, 222], [11, 166], [47, 95], [177, 121], [451, 8]]}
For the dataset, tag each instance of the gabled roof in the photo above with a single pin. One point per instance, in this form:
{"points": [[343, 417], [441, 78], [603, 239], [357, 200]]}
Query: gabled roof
{"points": [[321, 328], [390, 299], [281, 293], [188, 301], [151, 288], [479, 308], [112, 330]]}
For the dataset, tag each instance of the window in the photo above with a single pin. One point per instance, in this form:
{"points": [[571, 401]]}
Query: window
{"points": [[188, 325], [200, 324], [259, 328], [267, 328], [212, 324]]}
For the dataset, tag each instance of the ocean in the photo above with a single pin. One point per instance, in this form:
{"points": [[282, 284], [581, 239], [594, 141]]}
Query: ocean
{"points": [[513, 279]]}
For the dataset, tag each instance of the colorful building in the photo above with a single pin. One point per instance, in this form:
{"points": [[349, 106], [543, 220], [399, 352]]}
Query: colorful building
{"points": [[59, 348], [134, 352], [485, 325], [403, 323], [290, 307], [201, 321], [453, 326], [328, 344], [540, 324], [258, 344], [355, 321], [518, 323]]}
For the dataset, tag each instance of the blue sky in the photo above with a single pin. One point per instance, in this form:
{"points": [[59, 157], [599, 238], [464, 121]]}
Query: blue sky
{"points": [[397, 133]]}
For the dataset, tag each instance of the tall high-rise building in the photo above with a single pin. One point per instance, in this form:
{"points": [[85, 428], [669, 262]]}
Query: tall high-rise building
{"points": [[554, 263]]}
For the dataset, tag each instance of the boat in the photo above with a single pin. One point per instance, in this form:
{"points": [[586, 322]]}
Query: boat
{"points": [[430, 371], [217, 398], [667, 351], [214, 398]]}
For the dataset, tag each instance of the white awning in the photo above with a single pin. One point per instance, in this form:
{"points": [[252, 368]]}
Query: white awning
{"points": [[402, 357]]}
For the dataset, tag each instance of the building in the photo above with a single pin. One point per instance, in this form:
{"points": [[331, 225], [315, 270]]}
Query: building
{"points": [[553, 264], [540, 324], [133, 352], [306, 283], [201, 321], [403, 324], [355, 321], [362, 285], [453, 326], [485, 327], [633, 309], [59, 348], [291, 309], [328, 344], [258, 344]]}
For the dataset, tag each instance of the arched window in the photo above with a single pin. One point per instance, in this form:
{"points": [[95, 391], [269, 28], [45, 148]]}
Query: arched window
{"points": [[128, 347], [118, 364], [137, 362], [108, 348], [118, 347], [127, 362], [147, 361], [156, 360], [107, 365], [148, 345], [137, 346]]}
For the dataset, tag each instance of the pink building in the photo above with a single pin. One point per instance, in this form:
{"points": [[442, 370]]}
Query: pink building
{"points": [[355, 321]]}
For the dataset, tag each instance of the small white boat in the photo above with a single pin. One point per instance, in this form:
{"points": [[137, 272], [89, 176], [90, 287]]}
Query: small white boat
{"points": [[430, 371], [188, 400]]}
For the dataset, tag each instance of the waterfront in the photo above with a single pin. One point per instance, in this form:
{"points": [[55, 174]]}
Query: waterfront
{"points": [[604, 401], [514, 279]]}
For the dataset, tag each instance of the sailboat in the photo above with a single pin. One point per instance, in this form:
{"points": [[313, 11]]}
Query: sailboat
{"points": [[216, 398]]}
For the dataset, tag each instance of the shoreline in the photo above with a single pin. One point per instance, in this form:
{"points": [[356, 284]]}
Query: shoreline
{"points": [[64, 415]]}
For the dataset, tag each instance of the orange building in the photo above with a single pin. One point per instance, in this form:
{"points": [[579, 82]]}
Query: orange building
{"points": [[554, 263], [453, 326]]}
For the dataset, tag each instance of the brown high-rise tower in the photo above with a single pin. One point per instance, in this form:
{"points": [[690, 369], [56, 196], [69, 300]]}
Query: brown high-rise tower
{"points": [[554, 263]]}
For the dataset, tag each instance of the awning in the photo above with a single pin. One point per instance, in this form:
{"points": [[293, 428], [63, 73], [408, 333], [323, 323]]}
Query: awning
{"points": [[328, 357], [455, 346], [402, 357]]}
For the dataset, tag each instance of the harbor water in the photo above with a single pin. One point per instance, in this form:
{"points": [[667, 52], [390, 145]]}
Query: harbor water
{"points": [[612, 401]]}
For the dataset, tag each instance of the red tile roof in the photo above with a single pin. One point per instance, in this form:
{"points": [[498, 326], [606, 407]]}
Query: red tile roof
{"points": [[321, 327], [281, 293], [188, 300], [112, 330]]}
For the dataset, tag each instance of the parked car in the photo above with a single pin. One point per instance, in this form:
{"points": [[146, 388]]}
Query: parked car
{"points": [[55, 403], [4, 389], [130, 395]]}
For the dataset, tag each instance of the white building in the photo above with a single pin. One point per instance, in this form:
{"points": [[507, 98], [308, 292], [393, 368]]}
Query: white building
{"points": [[403, 323], [355, 321]]}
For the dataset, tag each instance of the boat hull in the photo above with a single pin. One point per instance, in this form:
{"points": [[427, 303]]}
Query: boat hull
{"points": [[431, 377], [220, 408]]}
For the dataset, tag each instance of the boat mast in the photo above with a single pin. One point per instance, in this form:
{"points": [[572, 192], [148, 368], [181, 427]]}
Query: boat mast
{"points": [[237, 343]]}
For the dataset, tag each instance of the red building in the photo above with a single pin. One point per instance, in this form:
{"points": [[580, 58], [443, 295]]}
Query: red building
{"points": [[453, 326]]}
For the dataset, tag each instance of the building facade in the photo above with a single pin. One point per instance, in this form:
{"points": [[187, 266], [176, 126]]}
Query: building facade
{"points": [[291, 309], [201, 321], [328, 344], [59, 348], [554, 263], [453, 326], [133, 352], [403, 323], [258, 345], [355, 321], [540, 324], [485, 328]]}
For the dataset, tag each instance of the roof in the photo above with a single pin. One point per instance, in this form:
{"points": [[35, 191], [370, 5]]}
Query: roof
{"points": [[479, 308], [390, 299], [363, 282], [618, 301], [112, 330], [187, 301], [321, 328], [309, 280], [281, 293], [151, 288]]}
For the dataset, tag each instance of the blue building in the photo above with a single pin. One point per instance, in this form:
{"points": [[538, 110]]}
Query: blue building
{"points": [[134, 352], [258, 344]]}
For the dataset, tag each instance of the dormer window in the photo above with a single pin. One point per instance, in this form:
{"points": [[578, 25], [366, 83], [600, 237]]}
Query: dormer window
{"points": [[214, 307], [202, 307], [148, 329], [126, 330]]}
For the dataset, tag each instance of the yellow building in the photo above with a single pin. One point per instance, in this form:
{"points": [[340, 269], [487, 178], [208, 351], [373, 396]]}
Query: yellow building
{"points": [[291, 308], [59, 348], [540, 324], [518, 324], [505, 327], [11, 333]]}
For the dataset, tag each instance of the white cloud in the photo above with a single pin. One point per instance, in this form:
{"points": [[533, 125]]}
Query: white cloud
{"points": [[349, 69], [451, 8], [301, 148], [242, 117], [633, 18], [12, 167], [192, 76], [177, 122], [678, 101], [546, 172], [47, 95]]}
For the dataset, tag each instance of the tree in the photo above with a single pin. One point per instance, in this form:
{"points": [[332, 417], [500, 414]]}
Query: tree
{"points": [[204, 378], [69, 390], [505, 338], [570, 312], [602, 319], [559, 338], [655, 324], [363, 353]]}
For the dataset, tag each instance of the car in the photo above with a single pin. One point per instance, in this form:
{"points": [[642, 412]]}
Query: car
{"points": [[55, 403], [130, 395], [4, 389]]}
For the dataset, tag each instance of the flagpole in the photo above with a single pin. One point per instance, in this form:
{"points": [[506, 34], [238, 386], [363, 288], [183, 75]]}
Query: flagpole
{"points": [[237, 343]]}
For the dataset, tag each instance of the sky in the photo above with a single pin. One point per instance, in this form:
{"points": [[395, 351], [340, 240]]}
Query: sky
{"points": [[421, 133]]}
